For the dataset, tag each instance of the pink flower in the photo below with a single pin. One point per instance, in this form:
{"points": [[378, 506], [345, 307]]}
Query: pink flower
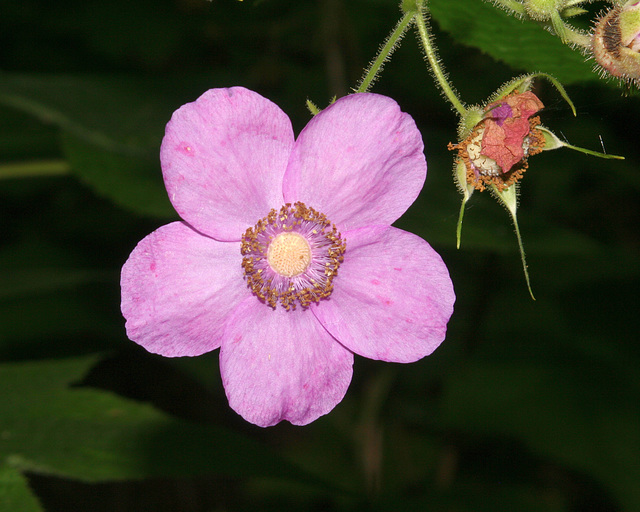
{"points": [[286, 259]]}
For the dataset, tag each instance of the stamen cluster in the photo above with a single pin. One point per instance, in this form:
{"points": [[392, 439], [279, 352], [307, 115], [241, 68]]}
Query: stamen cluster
{"points": [[313, 283]]}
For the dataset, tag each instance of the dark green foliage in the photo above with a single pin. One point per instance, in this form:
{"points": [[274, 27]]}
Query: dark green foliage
{"points": [[527, 406]]}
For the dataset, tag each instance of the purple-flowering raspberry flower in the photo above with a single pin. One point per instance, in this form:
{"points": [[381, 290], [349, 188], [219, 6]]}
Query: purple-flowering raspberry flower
{"points": [[286, 259]]}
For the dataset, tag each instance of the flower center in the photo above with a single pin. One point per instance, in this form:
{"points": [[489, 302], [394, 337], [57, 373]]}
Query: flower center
{"points": [[289, 254], [292, 256]]}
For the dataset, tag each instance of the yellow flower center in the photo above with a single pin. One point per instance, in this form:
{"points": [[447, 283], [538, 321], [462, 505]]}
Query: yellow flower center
{"points": [[289, 254], [292, 256]]}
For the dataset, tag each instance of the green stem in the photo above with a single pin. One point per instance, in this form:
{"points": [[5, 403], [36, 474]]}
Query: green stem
{"points": [[432, 57], [385, 52], [34, 169], [567, 33]]}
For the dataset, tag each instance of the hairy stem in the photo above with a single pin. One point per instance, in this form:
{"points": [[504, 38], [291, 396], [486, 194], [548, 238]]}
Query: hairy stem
{"points": [[386, 50], [432, 58]]}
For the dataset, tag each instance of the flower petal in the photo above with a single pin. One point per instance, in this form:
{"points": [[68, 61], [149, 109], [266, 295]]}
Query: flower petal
{"points": [[282, 365], [392, 297], [360, 161], [178, 288], [223, 158]]}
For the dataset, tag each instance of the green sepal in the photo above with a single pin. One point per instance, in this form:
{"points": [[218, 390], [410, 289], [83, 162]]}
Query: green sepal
{"points": [[460, 174], [523, 83], [473, 116], [519, 84], [15, 493], [559, 27], [469, 121], [571, 12], [551, 141], [509, 199], [312, 107]]}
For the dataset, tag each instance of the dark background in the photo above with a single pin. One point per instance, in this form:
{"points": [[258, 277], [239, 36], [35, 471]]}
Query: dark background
{"points": [[526, 406]]}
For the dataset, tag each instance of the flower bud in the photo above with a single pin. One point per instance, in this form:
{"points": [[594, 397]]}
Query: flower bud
{"points": [[496, 151], [497, 141], [616, 41]]}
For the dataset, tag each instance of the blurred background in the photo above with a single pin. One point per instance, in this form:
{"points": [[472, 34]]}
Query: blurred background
{"points": [[527, 406]]}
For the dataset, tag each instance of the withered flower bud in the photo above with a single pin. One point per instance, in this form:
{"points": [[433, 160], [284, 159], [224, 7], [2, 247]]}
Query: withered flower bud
{"points": [[497, 150], [616, 42]]}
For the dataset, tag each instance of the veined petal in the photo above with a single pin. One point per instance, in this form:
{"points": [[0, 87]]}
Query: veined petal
{"points": [[392, 297], [223, 159], [281, 365], [178, 288], [360, 161]]}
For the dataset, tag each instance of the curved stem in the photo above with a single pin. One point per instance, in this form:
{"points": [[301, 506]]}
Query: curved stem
{"points": [[432, 58], [385, 52]]}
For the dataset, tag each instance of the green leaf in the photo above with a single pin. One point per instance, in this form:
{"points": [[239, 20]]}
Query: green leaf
{"points": [[24, 137], [15, 494], [131, 181], [112, 129], [90, 435], [523, 45], [124, 114]]}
